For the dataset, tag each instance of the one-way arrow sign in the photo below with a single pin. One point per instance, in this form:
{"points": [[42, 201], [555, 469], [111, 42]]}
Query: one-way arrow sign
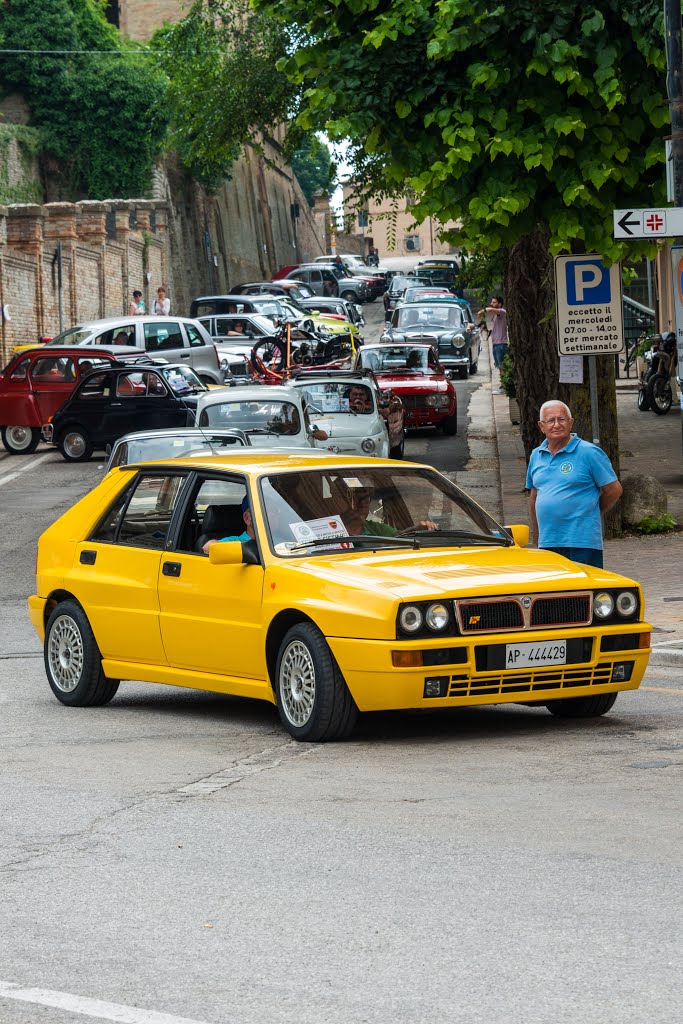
{"points": [[665, 223]]}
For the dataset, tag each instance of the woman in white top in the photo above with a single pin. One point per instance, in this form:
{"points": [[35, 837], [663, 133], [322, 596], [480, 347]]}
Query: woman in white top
{"points": [[162, 304]]}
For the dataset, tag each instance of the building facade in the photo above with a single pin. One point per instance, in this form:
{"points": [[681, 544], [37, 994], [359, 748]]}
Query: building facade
{"points": [[388, 225]]}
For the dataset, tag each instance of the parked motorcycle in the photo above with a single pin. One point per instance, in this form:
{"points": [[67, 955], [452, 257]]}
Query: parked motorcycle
{"points": [[655, 390]]}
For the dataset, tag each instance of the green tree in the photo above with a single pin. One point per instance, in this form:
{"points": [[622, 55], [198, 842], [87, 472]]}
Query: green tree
{"points": [[528, 123], [101, 114], [314, 167], [224, 90]]}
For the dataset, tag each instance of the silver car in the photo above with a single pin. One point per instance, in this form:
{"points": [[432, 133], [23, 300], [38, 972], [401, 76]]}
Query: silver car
{"points": [[325, 279], [173, 338], [172, 443]]}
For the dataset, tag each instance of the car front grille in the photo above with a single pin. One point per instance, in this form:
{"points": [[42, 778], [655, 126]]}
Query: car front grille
{"points": [[524, 611], [501, 683], [413, 401]]}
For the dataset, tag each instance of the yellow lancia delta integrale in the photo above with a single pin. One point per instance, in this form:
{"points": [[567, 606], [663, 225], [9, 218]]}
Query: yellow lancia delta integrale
{"points": [[327, 586]]}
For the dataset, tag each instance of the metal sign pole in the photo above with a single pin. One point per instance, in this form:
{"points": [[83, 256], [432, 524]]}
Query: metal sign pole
{"points": [[593, 389]]}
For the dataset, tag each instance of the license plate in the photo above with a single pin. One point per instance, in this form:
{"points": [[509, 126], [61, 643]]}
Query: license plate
{"points": [[530, 655]]}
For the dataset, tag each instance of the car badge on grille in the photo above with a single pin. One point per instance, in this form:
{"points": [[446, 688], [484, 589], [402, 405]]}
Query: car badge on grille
{"points": [[474, 619], [525, 602]]}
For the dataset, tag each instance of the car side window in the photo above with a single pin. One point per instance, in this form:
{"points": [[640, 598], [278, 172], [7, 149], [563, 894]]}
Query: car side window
{"points": [[54, 371], [194, 335], [147, 516], [124, 334], [140, 382], [215, 512], [96, 386], [162, 335], [20, 372]]}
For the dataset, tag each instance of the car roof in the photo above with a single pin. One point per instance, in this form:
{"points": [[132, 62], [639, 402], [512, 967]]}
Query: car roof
{"points": [[199, 432], [249, 393], [112, 321], [54, 351], [256, 461], [397, 344], [232, 297]]}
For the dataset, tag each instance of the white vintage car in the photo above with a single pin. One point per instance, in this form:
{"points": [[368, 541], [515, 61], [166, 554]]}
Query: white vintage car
{"points": [[346, 406], [268, 415]]}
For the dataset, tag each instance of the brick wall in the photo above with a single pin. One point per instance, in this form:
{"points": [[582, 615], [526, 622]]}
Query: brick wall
{"points": [[103, 259], [139, 18]]}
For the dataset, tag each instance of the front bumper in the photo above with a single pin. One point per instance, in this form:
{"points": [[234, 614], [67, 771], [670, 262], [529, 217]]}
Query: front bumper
{"points": [[47, 432], [36, 613], [450, 361], [378, 685]]}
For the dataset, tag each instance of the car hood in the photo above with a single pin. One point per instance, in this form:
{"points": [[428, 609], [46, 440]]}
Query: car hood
{"points": [[455, 572], [344, 425], [412, 382]]}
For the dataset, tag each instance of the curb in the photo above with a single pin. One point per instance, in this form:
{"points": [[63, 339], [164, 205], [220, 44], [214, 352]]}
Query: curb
{"points": [[671, 659]]}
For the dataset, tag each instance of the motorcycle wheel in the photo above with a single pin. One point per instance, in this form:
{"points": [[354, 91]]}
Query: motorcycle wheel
{"points": [[269, 354], [659, 394], [643, 402]]}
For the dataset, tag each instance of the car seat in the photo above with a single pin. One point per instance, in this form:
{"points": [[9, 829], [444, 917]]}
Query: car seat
{"points": [[220, 521]]}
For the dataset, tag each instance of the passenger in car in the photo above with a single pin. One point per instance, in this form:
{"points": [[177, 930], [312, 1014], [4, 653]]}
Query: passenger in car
{"points": [[248, 533]]}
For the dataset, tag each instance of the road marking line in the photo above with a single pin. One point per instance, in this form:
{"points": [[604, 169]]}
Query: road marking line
{"points": [[90, 1007], [660, 689], [6, 477]]}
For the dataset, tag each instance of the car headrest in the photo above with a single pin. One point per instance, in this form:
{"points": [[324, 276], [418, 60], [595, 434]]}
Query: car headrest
{"points": [[223, 519]]}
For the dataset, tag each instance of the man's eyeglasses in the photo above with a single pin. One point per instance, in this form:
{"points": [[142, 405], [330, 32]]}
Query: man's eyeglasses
{"points": [[556, 419]]}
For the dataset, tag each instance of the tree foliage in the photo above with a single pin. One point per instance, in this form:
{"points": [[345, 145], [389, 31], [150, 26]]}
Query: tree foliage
{"points": [[314, 167], [101, 114], [224, 87]]}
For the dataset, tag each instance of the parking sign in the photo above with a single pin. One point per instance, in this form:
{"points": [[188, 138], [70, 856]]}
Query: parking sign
{"points": [[589, 310]]}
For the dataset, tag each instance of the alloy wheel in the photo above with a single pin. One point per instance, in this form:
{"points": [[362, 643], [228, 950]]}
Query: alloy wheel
{"points": [[65, 653], [297, 683]]}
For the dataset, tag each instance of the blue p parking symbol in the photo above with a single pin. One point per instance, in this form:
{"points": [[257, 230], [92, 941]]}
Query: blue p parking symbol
{"points": [[587, 283]]}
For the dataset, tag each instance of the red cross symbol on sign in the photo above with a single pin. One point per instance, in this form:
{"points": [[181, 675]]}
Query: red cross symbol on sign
{"points": [[654, 222]]}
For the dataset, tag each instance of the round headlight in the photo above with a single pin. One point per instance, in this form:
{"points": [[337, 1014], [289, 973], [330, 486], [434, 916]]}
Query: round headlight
{"points": [[224, 364], [437, 616], [458, 340], [603, 605], [367, 444], [627, 603], [411, 619]]}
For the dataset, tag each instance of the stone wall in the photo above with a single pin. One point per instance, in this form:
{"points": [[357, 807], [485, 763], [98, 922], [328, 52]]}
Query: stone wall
{"points": [[108, 249], [140, 18], [19, 169]]}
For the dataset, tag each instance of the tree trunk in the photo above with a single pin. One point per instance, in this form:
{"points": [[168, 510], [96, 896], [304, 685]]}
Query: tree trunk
{"points": [[530, 304]]}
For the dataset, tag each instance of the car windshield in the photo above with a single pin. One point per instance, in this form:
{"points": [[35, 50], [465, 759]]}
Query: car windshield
{"points": [[294, 308], [399, 284], [74, 336], [392, 357], [332, 510], [443, 315], [329, 397], [148, 449], [260, 416], [182, 379]]}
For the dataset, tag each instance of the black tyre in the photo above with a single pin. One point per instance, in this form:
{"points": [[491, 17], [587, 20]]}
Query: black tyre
{"points": [[72, 659], [312, 697], [462, 372], [20, 440], [450, 425], [582, 707], [351, 296], [399, 451], [474, 366], [269, 354], [75, 445], [659, 394], [643, 401]]}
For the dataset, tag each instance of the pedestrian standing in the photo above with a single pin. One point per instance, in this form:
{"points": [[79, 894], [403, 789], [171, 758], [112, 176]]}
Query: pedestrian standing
{"points": [[162, 304], [571, 485], [137, 305], [498, 328]]}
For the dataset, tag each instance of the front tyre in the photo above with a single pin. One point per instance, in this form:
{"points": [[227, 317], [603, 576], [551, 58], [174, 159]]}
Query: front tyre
{"points": [[72, 659], [659, 394], [313, 699], [450, 425], [75, 445], [20, 440], [582, 707]]}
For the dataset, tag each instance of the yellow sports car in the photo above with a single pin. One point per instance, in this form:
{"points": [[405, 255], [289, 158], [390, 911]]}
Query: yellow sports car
{"points": [[327, 586]]}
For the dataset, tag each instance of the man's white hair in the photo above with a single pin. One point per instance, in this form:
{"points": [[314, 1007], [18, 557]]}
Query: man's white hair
{"points": [[554, 401]]}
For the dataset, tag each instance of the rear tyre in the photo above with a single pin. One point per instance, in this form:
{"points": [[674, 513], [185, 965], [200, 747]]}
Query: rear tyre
{"points": [[474, 366], [20, 440], [313, 700], [462, 372], [450, 425], [269, 354], [582, 707], [75, 445], [73, 662], [659, 394]]}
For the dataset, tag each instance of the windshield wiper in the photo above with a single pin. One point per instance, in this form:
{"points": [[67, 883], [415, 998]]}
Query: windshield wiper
{"points": [[476, 538], [362, 539]]}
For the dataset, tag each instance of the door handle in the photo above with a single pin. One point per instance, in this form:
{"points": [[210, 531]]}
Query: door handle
{"points": [[88, 557], [184, 355], [171, 568]]}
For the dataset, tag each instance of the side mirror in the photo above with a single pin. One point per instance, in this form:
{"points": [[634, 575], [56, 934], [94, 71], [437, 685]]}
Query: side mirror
{"points": [[227, 553], [519, 533]]}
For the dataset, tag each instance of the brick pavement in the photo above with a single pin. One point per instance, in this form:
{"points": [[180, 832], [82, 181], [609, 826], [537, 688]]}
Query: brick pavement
{"points": [[649, 444]]}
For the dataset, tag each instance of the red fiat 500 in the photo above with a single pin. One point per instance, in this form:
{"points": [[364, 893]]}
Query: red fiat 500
{"points": [[36, 382], [414, 373]]}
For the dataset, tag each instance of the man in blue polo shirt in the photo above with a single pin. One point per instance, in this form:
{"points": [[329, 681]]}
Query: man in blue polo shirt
{"points": [[572, 484], [248, 533]]}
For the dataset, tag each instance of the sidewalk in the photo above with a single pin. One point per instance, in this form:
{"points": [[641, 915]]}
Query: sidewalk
{"points": [[648, 444]]}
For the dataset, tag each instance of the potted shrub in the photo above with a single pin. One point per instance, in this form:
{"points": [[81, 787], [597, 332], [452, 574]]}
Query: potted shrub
{"points": [[507, 383]]}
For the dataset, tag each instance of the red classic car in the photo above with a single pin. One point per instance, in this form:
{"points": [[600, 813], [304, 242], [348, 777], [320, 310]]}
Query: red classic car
{"points": [[36, 382], [414, 373]]}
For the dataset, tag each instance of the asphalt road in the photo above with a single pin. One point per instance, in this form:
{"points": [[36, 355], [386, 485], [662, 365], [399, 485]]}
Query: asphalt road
{"points": [[173, 857]]}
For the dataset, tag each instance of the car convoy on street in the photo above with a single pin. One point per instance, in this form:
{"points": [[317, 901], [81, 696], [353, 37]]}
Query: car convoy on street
{"points": [[254, 450]]}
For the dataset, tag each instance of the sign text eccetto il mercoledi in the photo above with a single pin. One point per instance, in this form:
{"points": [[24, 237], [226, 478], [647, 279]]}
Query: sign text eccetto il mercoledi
{"points": [[589, 306]]}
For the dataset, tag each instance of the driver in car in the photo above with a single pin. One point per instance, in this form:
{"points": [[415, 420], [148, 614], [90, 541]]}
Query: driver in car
{"points": [[360, 399]]}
